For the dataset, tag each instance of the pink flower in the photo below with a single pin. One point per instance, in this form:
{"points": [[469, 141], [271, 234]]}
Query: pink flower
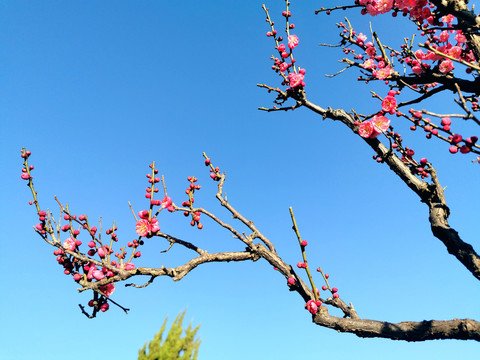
{"points": [[380, 124], [69, 244], [312, 306], [365, 129], [143, 214], [91, 269], [446, 66], [166, 202], [142, 228], [389, 104], [446, 121], [469, 57], [98, 275], [375, 126], [419, 54], [417, 69], [370, 51], [107, 289], [455, 51], [146, 228], [460, 37], [25, 176], [384, 73], [295, 79], [376, 7], [444, 35], [104, 307], [431, 56], [369, 64], [292, 41], [361, 37], [154, 227], [456, 138], [101, 252], [448, 18], [405, 4], [426, 14], [128, 266]]}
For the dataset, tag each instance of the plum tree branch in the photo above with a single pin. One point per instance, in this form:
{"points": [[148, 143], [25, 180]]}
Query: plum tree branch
{"points": [[236, 215], [461, 329], [430, 194]]}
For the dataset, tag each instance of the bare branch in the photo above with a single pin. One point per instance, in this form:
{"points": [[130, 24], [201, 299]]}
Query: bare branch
{"points": [[463, 104]]}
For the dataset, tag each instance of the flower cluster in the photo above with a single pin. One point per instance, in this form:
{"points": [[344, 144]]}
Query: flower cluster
{"points": [[334, 290], [151, 190], [94, 270], [284, 64], [214, 171], [314, 304], [372, 128], [100, 267], [147, 225], [190, 191], [443, 47], [443, 131], [441, 51]]}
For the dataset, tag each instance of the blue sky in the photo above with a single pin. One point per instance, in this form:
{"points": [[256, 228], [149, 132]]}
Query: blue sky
{"points": [[98, 90]]}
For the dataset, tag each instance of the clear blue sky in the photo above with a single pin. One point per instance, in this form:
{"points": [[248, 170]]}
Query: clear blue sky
{"points": [[98, 90]]}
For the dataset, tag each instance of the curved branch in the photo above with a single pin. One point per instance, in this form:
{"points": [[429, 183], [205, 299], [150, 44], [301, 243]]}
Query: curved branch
{"points": [[423, 97], [439, 213], [237, 215], [465, 329], [461, 329], [176, 273]]}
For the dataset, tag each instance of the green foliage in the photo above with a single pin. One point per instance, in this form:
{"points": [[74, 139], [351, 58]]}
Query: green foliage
{"points": [[175, 347]]}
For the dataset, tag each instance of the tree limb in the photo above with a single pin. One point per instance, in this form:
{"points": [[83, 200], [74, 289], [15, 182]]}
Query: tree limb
{"points": [[430, 194]]}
